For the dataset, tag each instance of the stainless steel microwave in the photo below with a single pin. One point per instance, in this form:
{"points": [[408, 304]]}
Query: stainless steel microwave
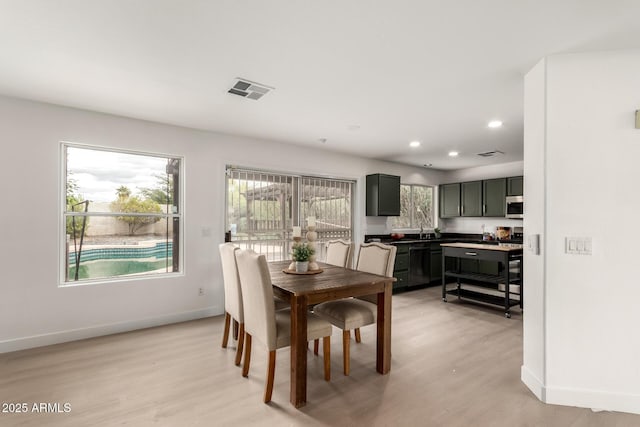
{"points": [[515, 207]]}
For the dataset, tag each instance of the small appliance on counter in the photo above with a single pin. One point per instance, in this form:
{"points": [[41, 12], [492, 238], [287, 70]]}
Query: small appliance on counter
{"points": [[503, 233], [518, 233]]}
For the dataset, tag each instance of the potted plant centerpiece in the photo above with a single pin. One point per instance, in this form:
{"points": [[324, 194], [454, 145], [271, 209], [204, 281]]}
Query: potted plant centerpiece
{"points": [[301, 253]]}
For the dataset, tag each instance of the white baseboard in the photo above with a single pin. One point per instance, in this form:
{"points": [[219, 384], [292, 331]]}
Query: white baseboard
{"points": [[100, 330], [596, 400], [532, 382]]}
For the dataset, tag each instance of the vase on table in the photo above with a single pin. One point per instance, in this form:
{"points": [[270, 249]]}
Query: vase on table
{"points": [[302, 266]]}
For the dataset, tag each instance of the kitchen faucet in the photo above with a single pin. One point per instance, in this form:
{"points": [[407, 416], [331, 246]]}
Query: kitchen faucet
{"points": [[421, 231]]}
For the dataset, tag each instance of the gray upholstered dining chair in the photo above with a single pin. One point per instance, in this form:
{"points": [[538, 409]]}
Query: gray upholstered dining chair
{"points": [[269, 326], [232, 296], [338, 252], [353, 313]]}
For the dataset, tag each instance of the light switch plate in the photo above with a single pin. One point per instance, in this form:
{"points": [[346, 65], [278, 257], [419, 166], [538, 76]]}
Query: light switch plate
{"points": [[533, 243], [577, 245]]}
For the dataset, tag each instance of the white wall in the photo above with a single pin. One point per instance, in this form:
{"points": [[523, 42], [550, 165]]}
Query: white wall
{"points": [[34, 310], [589, 188], [534, 323], [489, 224]]}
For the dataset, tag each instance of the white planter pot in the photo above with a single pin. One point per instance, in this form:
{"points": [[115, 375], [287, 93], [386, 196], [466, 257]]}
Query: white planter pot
{"points": [[302, 266]]}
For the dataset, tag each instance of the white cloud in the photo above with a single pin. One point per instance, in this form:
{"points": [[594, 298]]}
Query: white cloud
{"points": [[98, 174]]}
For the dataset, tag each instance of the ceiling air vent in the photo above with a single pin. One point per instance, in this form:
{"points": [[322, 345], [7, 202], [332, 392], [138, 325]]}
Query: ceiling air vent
{"points": [[491, 153], [248, 89]]}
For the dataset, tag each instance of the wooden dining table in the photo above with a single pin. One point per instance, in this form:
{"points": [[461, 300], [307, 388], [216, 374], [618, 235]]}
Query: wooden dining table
{"points": [[331, 284]]}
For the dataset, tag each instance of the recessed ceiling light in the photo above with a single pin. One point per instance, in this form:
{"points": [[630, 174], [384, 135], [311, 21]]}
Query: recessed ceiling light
{"points": [[453, 154], [495, 124], [414, 144]]}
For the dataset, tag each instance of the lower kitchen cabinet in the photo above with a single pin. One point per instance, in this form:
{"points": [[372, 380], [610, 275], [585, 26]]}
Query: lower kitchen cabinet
{"points": [[417, 264], [435, 258], [401, 267]]}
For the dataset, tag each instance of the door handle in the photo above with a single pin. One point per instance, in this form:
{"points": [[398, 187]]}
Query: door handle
{"points": [[471, 253]]}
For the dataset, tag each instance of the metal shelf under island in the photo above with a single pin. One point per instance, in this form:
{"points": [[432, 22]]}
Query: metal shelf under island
{"points": [[486, 269]]}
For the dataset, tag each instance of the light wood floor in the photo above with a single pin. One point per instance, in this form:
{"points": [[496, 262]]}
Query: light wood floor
{"points": [[454, 364]]}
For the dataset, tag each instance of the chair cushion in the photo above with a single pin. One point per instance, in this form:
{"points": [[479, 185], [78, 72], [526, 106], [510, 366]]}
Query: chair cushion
{"points": [[347, 314], [316, 328]]}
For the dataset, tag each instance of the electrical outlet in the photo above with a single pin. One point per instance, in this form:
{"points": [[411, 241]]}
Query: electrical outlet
{"points": [[201, 291]]}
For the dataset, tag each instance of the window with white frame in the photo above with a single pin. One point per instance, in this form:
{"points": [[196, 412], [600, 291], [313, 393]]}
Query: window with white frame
{"points": [[263, 207], [416, 207], [122, 214]]}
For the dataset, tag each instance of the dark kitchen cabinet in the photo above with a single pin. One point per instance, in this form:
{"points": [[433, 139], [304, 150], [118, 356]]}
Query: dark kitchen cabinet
{"points": [[449, 200], [493, 197], [515, 186], [401, 267], [436, 262], [419, 265], [471, 196], [383, 195]]}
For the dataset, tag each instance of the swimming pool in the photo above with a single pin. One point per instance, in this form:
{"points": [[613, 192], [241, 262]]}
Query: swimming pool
{"points": [[114, 261], [117, 267]]}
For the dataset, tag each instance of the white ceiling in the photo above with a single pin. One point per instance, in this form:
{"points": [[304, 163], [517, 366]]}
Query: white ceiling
{"points": [[369, 76]]}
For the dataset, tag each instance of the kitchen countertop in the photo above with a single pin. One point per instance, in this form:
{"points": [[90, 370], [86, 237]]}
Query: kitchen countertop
{"points": [[490, 247], [411, 239]]}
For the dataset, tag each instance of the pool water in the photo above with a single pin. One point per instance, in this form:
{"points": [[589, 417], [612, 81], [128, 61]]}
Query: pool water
{"points": [[117, 267]]}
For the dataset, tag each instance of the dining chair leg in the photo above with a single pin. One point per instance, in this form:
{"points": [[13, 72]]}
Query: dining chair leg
{"points": [[240, 344], [247, 355], [346, 337], [326, 354], [225, 335], [356, 331], [270, 375], [235, 329], [316, 344]]}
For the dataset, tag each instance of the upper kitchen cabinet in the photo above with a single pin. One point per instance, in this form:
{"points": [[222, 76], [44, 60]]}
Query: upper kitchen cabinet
{"points": [[515, 185], [449, 200], [471, 196], [493, 194], [383, 195]]}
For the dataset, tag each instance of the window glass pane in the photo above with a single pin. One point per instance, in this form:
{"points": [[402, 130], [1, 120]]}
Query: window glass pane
{"points": [[329, 201], [404, 220], [422, 206], [416, 207], [103, 177], [259, 211], [110, 251], [263, 207], [122, 215]]}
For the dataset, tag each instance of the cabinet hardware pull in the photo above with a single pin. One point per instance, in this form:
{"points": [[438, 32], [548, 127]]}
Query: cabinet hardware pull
{"points": [[471, 253]]}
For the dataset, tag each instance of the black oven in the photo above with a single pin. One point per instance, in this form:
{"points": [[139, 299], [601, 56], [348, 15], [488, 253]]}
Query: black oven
{"points": [[515, 207]]}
